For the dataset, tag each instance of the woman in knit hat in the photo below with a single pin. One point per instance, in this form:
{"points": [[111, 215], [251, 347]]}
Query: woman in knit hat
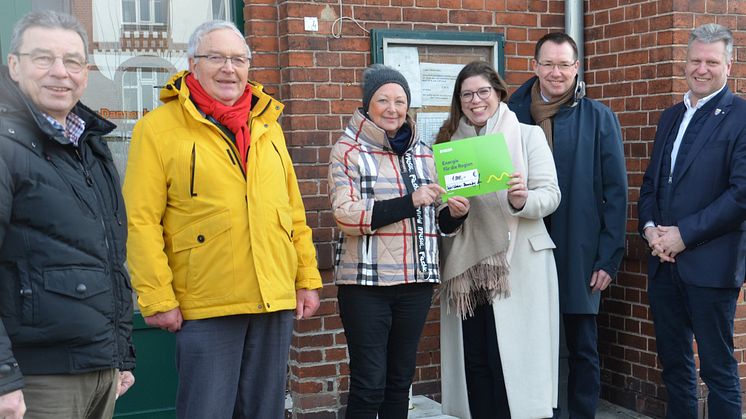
{"points": [[386, 202], [500, 303]]}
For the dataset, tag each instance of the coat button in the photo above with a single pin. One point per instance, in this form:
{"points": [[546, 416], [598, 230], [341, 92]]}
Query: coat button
{"points": [[81, 289], [5, 369], [201, 238], [27, 292], [277, 108], [11, 130], [259, 307], [266, 125]]}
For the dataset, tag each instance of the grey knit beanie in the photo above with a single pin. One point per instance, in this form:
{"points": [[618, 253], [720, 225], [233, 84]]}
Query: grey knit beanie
{"points": [[376, 76]]}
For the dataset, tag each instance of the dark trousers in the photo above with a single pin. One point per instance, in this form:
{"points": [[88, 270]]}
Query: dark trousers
{"points": [[485, 382], [584, 373], [233, 367], [382, 325], [680, 312]]}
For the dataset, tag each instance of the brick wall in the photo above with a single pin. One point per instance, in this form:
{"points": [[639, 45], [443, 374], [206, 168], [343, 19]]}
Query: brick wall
{"points": [[633, 64]]}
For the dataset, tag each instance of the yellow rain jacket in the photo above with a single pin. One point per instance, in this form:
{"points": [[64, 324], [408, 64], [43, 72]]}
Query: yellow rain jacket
{"points": [[204, 236]]}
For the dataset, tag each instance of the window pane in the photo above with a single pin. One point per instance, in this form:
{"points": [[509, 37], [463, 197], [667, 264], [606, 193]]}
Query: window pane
{"points": [[160, 10], [145, 10], [128, 11], [218, 9]]}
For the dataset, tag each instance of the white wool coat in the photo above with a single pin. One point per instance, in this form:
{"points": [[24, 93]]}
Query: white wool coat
{"points": [[527, 322]]}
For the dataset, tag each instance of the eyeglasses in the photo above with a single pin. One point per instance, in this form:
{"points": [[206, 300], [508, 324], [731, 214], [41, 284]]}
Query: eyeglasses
{"points": [[45, 60], [217, 60], [483, 93], [561, 66]]}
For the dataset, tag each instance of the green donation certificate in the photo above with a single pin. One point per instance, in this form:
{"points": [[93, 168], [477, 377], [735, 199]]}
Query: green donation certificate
{"points": [[473, 166]]}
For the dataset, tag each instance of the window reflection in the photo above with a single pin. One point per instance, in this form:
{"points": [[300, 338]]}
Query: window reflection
{"points": [[134, 47]]}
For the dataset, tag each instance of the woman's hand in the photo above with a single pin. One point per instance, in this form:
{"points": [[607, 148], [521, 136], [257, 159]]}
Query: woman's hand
{"points": [[427, 194], [459, 206], [517, 193]]}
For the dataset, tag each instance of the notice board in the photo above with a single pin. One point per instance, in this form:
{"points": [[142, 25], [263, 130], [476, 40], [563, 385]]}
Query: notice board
{"points": [[430, 61]]}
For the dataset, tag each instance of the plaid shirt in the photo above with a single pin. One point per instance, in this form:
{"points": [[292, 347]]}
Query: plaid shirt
{"points": [[363, 169], [73, 129]]}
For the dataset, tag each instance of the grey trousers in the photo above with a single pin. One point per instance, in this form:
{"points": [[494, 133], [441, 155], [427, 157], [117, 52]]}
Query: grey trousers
{"points": [[89, 395], [233, 366]]}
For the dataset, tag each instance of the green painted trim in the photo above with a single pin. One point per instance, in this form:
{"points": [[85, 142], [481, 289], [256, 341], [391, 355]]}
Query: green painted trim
{"points": [[154, 393], [12, 11], [378, 35], [238, 6], [150, 414]]}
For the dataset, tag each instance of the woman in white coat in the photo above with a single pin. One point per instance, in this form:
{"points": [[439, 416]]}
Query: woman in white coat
{"points": [[500, 307]]}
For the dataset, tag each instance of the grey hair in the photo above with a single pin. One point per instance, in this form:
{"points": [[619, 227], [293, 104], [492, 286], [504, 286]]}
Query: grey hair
{"points": [[213, 25], [712, 32], [46, 19]]}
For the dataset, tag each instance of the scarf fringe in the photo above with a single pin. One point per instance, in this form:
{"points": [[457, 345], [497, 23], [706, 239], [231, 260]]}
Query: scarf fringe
{"points": [[478, 285]]}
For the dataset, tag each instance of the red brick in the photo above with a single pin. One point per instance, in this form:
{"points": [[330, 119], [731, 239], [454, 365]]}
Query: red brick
{"points": [[420, 15], [470, 17]]}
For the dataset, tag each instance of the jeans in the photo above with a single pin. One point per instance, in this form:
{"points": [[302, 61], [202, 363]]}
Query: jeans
{"points": [[382, 325]]}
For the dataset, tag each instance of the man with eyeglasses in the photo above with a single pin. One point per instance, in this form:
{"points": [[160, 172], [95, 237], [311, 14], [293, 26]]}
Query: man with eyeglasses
{"points": [[219, 249], [692, 213], [65, 298], [589, 226]]}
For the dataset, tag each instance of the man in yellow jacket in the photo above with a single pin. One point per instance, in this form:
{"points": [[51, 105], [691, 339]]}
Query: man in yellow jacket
{"points": [[219, 249]]}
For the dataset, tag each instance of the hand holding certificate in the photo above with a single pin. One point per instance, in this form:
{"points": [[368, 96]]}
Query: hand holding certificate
{"points": [[473, 166]]}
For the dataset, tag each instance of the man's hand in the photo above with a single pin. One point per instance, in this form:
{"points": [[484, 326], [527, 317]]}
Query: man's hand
{"points": [[169, 320], [652, 234], [600, 280], [306, 303], [12, 405], [458, 206], [125, 381], [668, 244], [427, 195]]}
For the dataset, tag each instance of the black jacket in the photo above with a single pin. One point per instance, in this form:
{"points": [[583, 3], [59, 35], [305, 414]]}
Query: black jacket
{"points": [[65, 296]]}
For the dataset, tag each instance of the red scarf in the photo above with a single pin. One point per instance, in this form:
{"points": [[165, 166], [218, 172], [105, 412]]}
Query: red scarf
{"points": [[235, 117]]}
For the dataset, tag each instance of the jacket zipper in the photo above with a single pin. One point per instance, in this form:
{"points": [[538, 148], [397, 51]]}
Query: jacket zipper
{"points": [[192, 166], [281, 162], [110, 267]]}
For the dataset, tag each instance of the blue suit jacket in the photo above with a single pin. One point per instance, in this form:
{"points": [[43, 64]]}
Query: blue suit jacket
{"points": [[708, 196]]}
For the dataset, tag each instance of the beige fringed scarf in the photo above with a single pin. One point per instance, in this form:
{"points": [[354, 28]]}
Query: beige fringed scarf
{"points": [[475, 261], [543, 112]]}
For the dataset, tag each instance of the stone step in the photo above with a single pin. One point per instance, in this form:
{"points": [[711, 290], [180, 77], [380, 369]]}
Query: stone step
{"points": [[424, 408]]}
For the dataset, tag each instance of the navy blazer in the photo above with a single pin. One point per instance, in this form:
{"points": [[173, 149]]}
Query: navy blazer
{"points": [[708, 195]]}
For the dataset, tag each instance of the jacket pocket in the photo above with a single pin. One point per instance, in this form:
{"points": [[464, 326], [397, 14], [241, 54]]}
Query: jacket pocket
{"points": [[209, 270], [541, 242], [73, 305], [286, 222]]}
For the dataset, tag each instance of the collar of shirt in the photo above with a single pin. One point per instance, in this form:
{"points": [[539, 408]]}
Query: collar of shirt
{"points": [[73, 129], [701, 102]]}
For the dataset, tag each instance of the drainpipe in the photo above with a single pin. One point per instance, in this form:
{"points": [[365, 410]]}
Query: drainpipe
{"points": [[574, 28]]}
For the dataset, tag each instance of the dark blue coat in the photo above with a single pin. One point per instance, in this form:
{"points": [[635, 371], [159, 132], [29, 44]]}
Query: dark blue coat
{"points": [[589, 225], [708, 195]]}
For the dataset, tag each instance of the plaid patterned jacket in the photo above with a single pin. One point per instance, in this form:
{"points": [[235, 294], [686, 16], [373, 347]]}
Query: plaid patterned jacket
{"points": [[364, 169]]}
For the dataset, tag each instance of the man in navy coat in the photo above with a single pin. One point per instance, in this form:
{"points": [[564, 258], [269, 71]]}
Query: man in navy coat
{"points": [[590, 223], [692, 213]]}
